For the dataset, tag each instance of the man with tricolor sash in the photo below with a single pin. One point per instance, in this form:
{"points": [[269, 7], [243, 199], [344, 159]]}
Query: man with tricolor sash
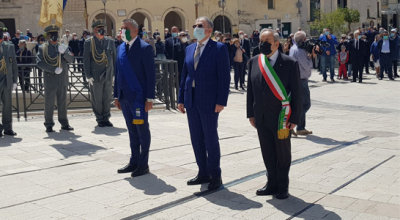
{"points": [[274, 109], [134, 91]]}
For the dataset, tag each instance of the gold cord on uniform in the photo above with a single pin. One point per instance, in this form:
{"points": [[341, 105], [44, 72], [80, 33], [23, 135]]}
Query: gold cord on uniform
{"points": [[51, 61], [3, 64], [97, 57]]}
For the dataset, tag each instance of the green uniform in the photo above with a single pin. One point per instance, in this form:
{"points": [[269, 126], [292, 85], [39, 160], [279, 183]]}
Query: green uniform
{"points": [[8, 76], [98, 63], [55, 84]]}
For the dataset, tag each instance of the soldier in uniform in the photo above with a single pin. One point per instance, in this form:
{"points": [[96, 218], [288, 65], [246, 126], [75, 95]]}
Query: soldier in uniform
{"points": [[98, 62], [8, 82], [49, 56]]}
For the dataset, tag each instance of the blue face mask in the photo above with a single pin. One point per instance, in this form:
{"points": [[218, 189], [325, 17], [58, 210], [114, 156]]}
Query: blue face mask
{"points": [[385, 37], [174, 34], [359, 36], [391, 35], [199, 34], [22, 48], [326, 32]]}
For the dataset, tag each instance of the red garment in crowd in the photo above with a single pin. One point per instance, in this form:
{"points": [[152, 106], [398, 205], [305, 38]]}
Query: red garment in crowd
{"points": [[343, 59]]}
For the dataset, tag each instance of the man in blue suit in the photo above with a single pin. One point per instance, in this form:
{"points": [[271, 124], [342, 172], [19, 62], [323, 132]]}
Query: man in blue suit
{"points": [[204, 93], [134, 88]]}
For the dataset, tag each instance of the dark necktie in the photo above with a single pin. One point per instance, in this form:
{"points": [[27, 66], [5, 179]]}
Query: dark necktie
{"points": [[127, 48], [357, 44]]}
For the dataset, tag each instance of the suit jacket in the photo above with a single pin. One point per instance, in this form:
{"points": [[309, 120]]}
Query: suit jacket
{"points": [[256, 51], [262, 103], [357, 55], [212, 77], [11, 63], [169, 47], [92, 69], [141, 58], [391, 46], [51, 79], [246, 46], [74, 46], [179, 54]]}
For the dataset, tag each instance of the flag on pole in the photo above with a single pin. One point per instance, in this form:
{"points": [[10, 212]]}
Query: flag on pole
{"points": [[65, 3], [52, 12]]}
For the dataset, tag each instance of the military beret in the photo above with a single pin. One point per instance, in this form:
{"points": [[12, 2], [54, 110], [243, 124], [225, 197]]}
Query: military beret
{"points": [[2, 26], [51, 28], [99, 23]]}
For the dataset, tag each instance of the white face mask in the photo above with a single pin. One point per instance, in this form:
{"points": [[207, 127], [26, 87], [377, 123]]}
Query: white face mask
{"points": [[241, 36], [217, 38], [348, 37], [184, 39]]}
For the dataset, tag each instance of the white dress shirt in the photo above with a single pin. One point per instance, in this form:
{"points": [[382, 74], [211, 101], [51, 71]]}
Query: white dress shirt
{"points": [[273, 58], [203, 47], [131, 42]]}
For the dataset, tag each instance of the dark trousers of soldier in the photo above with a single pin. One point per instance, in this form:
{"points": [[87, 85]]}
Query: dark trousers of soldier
{"points": [[24, 78], [101, 93], [6, 100], [276, 154], [50, 95]]}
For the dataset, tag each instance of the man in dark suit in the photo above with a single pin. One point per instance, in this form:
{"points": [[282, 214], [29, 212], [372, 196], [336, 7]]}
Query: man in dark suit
{"points": [[134, 91], [204, 93], [385, 47], [15, 40], [81, 51], [244, 43], [74, 47], [170, 42], [357, 49], [180, 51], [264, 108]]}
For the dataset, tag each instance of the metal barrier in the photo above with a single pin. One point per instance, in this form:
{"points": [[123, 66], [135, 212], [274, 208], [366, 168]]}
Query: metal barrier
{"points": [[30, 92]]}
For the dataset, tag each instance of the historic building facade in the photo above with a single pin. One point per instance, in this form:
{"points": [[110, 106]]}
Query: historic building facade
{"points": [[247, 15]]}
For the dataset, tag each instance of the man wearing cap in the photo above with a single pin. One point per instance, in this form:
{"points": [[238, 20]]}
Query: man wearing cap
{"points": [[8, 82], [98, 62], [66, 38], [55, 77]]}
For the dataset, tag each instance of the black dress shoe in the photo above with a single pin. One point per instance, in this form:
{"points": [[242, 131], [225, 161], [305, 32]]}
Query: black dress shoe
{"points": [[10, 132], [108, 124], [215, 183], [267, 190], [67, 128], [380, 78], [242, 88], [282, 194], [389, 78], [127, 169], [49, 129], [101, 124], [199, 180], [140, 171]]}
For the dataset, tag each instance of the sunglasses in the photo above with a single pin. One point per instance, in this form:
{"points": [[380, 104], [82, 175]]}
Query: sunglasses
{"points": [[183, 35], [198, 25]]}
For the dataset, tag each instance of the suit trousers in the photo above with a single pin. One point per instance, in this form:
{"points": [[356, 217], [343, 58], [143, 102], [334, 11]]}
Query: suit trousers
{"points": [[305, 91], [6, 100], [50, 95], [239, 73], [357, 65], [139, 135], [385, 62], [276, 154], [203, 126], [394, 64], [101, 93]]}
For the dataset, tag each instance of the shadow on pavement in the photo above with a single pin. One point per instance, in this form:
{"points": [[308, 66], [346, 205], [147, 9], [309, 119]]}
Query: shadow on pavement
{"points": [[75, 147], [110, 131], [6, 141], [324, 141], [232, 200], [296, 207], [151, 184]]}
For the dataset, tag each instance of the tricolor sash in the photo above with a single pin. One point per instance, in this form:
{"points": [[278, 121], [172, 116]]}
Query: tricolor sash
{"points": [[280, 93], [127, 71]]}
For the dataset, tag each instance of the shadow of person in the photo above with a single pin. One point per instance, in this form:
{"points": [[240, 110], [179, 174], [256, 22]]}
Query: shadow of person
{"points": [[6, 141], [232, 200], [151, 184], [75, 147], [322, 140], [110, 131], [296, 207]]}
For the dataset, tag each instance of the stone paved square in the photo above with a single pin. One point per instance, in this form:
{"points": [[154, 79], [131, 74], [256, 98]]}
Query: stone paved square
{"points": [[348, 168]]}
